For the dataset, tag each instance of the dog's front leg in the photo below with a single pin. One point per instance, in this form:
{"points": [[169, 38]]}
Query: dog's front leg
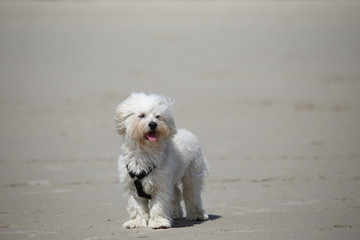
{"points": [[139, 212], [160, 217]]}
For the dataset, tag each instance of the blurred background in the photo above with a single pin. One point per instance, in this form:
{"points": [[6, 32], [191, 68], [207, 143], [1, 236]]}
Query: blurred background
{"points": [[253, 68], [271, 88]]}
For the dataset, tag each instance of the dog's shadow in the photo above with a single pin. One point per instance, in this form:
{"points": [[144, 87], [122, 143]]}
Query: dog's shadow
{"points": [[183, 223]]}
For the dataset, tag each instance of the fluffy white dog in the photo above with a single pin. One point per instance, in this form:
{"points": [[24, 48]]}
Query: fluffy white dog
{"points": [[159, 164]]}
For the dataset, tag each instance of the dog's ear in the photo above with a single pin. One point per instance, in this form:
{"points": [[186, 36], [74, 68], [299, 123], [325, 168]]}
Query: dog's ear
{"points": [[171, 125], [168, 116], [122, 112], [120, 117]]}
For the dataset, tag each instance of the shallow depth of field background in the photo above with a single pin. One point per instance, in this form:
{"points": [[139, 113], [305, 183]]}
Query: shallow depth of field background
{"points": [[271, 88]]}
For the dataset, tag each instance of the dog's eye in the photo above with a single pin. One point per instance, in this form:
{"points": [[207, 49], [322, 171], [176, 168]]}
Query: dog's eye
{"points": [[157, 116], [142, 115]]}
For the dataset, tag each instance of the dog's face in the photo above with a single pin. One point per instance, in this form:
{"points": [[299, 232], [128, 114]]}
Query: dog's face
{"points": [[146, 119]]}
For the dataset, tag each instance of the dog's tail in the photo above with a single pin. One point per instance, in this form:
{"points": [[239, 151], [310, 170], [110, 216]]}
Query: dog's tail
{"points": [[206, 165]]}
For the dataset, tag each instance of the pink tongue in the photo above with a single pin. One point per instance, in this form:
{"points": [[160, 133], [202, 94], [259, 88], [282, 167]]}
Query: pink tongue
{"points": [[151, 136]]}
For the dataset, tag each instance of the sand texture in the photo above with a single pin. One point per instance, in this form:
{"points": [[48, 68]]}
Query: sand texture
{"points": [[271, 89]]}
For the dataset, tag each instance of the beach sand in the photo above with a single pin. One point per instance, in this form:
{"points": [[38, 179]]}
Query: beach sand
{"points": [[271, 89]]}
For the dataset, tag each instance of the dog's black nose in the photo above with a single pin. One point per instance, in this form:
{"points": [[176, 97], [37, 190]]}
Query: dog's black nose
{"points": [[152, 125]]}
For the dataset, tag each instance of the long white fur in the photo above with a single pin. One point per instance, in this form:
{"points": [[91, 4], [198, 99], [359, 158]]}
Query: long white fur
{"points": [[177, 155]]}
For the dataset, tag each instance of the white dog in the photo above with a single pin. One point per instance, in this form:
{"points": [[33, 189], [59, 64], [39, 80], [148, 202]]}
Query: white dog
{"points": [[159, 164]]}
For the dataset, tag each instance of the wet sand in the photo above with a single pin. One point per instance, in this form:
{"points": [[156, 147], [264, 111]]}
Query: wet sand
{"points": [[272, 90]]}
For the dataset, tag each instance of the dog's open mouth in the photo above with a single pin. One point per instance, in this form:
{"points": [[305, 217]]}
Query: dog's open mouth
{"points": [[151, 136]]}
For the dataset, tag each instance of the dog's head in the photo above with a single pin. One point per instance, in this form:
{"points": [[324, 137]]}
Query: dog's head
{"points": [[147, 119]]}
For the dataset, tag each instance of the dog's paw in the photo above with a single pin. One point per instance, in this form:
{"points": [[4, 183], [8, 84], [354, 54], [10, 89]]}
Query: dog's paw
{"points": [[198, 217], [135, 223], [160, 223]]}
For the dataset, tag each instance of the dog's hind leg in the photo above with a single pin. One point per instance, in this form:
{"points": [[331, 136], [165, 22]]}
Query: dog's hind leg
{"points": [[176, 210], [193, 180]]}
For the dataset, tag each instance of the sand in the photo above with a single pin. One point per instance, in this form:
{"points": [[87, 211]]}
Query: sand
{"points": [[271, 88]]}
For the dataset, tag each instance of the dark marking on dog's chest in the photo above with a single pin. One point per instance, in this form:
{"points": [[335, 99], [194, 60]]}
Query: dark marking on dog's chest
{"points": [[137, 180]]}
